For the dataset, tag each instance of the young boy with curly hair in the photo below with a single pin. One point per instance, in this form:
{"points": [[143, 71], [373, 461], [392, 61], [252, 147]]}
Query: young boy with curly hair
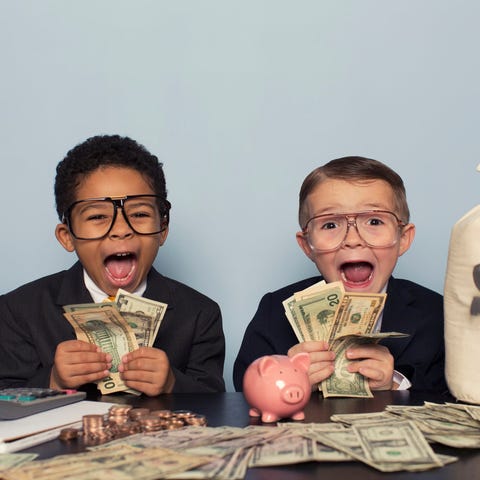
{"points": [[112, 203]]}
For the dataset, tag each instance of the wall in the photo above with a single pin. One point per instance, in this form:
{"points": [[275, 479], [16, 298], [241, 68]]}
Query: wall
{"points": [[240, 100]]}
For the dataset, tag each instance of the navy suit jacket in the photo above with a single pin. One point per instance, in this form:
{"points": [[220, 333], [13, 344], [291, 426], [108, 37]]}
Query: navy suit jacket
{"points": [[409, 308], [32, 325]]}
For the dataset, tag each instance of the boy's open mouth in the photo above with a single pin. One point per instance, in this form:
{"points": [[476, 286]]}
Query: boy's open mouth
{"points": [[356, 272], [120, 265]]}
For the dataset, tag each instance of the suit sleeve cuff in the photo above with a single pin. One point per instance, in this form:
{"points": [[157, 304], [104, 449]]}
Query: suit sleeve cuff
{"points": [[402, 381]]}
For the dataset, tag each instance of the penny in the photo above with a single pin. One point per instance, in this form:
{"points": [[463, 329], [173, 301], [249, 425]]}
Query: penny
{"points": [[68, 434]]}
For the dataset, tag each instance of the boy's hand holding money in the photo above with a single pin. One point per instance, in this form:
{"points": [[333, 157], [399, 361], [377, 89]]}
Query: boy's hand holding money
{"points": [[322, 360], [77, 362], [147, 370], [373, 361]]}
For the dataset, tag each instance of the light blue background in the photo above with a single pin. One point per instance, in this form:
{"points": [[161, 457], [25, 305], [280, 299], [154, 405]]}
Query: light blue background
{"points": [[240, 100]]}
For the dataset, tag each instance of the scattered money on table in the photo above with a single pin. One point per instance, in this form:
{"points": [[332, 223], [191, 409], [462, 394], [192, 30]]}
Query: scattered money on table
{"points": [[11, 460], [325, 311], [398, 439], [117, 328]]}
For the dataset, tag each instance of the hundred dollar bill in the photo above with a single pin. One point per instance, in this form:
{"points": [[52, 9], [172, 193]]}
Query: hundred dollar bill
{"points": [[106, 328], [358, 313], [140, 324], [142, 314]]}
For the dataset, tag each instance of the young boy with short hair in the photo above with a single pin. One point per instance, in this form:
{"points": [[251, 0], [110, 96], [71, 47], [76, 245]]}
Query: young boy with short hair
{"points": [[340, 205], [112, 202]]}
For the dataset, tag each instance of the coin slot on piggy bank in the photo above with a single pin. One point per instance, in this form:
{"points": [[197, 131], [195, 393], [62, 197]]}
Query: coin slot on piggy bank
{"points": [[277, 386]]}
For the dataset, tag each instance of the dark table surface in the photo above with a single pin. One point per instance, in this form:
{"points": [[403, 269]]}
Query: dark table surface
{"points": [[231, 409]]}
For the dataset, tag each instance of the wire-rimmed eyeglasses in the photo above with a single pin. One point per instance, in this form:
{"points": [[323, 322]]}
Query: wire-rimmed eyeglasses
{"points": [[377, 228]]}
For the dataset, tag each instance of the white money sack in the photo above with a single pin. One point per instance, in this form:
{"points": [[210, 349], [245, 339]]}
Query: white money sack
{"points": [[462, 309]]}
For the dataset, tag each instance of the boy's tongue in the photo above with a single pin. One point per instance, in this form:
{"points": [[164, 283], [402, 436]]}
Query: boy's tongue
{"points": [[357, 272], [119, 266]]}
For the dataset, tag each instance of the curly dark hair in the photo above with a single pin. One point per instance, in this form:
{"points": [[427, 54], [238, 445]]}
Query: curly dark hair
{"points": [[100, 151]]}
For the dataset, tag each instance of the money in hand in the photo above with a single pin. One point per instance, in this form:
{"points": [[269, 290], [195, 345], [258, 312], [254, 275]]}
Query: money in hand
{"points": [[142, 314], [117, 328], [105, 328], [326, 312]]}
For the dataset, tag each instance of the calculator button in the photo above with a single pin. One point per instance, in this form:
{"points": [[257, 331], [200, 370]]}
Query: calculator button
{"points": [[20, 402]]}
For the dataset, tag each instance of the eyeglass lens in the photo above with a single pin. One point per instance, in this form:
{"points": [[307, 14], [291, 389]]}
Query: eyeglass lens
{"points": [[93, 219], [377, 229]]}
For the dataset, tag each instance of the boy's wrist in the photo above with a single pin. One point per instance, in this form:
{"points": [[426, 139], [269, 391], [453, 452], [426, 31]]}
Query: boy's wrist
{"points": [[54, 384], [170, 382]]}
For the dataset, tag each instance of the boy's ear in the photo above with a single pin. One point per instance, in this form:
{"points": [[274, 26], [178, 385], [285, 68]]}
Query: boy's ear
{"points": [[303, 244], [406, 238], [163, 236], [64, 237]]}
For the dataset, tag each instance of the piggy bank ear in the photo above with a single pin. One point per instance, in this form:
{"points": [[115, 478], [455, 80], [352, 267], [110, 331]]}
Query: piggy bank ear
{"points": [[301, 360], [266, 364]]}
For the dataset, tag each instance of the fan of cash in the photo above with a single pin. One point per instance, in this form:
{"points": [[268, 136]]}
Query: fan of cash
{"points": [[325, 311], [117, 328]]}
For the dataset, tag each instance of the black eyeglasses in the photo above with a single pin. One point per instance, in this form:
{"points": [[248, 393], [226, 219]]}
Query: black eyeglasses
{"points": [[93, 218]]}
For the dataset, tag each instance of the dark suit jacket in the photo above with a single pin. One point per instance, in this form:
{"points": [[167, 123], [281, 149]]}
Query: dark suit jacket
{"points": [[32, 325], [409, 308]]}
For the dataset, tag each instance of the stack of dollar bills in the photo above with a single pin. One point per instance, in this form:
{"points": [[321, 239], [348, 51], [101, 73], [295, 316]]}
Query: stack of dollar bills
{"points": [[324, 311], [117, 328]]}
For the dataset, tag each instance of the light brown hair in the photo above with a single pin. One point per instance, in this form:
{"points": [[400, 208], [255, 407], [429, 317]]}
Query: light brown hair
{"points": [[354, 169]]}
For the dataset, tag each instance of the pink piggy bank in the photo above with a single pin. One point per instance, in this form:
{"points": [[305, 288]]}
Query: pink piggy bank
{"points": [[276, 386]]}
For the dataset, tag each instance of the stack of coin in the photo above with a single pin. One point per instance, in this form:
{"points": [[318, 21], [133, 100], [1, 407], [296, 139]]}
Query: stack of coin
{"points": [[162, 413], [196, 420], [95, 427], [123, 420], [190, 418], [68, 433], [118, 414], [152, 423], [135, 413], [126, 428]]}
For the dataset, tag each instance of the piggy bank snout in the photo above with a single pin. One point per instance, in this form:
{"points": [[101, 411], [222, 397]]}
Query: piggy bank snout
{"points": [[293, 394]]}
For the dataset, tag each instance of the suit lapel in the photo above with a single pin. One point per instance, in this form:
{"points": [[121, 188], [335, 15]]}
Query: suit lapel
{"points": [[398, 316], [72, 288], [159, 289]]}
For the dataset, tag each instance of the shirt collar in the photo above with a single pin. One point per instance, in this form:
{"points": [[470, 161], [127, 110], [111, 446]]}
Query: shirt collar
{"points": [[99, 296]]}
